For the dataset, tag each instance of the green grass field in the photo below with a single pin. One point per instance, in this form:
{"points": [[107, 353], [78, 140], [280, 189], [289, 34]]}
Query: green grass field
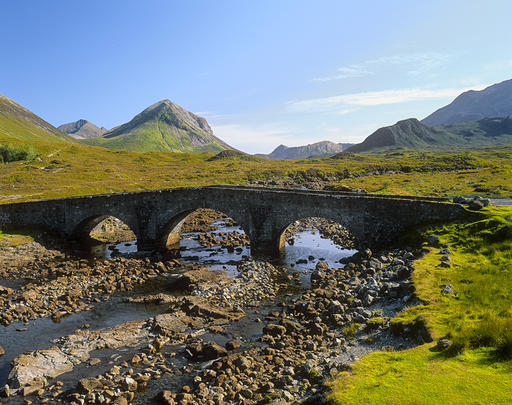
{"points": [[66, 168], [477, 367]]}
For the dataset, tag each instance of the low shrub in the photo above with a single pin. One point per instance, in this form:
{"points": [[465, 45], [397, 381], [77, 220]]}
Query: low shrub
{"points": [[12, 153]]}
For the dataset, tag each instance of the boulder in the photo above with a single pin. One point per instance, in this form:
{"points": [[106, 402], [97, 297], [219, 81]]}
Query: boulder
{"points": [[170, 324], [232, 344], [433, 240], [274, 330], [129, 384], [166, 398], [28, 367], [88, 385], [475, 205], [212, 350]]}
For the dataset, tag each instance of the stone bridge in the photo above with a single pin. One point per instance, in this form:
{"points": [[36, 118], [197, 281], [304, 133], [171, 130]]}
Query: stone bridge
{"points": [[263, 213]]}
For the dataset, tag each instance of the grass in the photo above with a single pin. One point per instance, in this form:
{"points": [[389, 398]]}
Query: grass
{"points": [[14, 239], [350, 330], [477, 367], [67, 169], [421, 377]]}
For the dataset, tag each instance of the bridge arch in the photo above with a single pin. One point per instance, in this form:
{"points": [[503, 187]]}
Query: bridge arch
{"points": [[338, 233], [82, 231], [170, 233]]}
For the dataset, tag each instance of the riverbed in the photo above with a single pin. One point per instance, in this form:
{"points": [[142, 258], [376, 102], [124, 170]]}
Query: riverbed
{"points": [[289, 281]]}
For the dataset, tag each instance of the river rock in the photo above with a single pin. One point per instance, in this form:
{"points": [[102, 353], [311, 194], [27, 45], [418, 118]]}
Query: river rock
{"points": [[129, 384], [232, 345], [166, 398], [88, 385], [170, 324], [73, 349], [203, 275], [200, 307], [433, 240], [30, 367], [274, 330], [212, 350], [475, 205]]}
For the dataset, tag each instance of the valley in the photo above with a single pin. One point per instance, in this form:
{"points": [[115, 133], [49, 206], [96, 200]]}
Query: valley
{"points": [[387, 278]]}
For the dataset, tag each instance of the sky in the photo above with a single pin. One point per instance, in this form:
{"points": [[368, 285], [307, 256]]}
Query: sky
{"points": [[262, 73]]}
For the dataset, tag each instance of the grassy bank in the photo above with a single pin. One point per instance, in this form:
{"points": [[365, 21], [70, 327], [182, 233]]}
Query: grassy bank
{"points": [[476, 318], [14, 239]]}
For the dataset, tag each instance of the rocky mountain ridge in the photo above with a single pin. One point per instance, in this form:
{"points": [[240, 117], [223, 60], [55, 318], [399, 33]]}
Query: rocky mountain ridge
{"points": [[82, 129], [163, 126], [413, 134], [318, 149], [493, 101]]}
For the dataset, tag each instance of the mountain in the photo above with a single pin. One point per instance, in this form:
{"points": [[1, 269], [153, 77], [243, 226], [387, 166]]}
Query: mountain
{"points": [[166, 127], [82, 129], [17, 124], [493, 101], [324, 148], [413, 134]]}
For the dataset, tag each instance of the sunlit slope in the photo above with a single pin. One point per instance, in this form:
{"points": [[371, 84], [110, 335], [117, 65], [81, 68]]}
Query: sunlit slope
{"points": [[18, 125], [413, 134], [164, 127]]}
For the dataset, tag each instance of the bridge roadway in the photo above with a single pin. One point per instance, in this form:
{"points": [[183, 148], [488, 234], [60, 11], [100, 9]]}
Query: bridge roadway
{"points": [[156, 216]]}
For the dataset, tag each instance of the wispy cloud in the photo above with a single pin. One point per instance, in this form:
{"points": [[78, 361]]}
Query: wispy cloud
{"points": [[373, 98], [253, 139], [412, 64], [346, 111], [210, 115], [346, 72]]}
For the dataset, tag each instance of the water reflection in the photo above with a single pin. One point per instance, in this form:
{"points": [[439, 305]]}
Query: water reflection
{"points": [[308, 249], [302, 256], [107, 251]]}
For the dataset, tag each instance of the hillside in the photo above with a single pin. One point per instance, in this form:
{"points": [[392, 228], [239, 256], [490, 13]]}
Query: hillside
{"points": [[165, 127], [82, 129], [413, 134], [19, 125], [493, 101], [318, 149]]}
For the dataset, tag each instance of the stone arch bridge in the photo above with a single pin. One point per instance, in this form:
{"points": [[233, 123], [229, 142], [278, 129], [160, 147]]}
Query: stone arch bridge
{"points": [[263, 213]]}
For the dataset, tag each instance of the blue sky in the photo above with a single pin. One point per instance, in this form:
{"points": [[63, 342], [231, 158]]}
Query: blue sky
{"points": [[262, 72]]}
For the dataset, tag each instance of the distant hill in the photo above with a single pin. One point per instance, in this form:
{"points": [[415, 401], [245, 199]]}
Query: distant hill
{"points": [[413, 134], [232, 154], [166, 127], [82, 129], [19, 125], [493, 101], [319, 149]]}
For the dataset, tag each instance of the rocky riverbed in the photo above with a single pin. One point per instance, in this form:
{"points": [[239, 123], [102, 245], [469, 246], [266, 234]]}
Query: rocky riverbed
{"points": [[251, 336]]}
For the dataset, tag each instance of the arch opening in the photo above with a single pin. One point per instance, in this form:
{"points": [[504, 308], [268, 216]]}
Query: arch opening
{"points": [[106, 236], [307, 241], [206, 236]]}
